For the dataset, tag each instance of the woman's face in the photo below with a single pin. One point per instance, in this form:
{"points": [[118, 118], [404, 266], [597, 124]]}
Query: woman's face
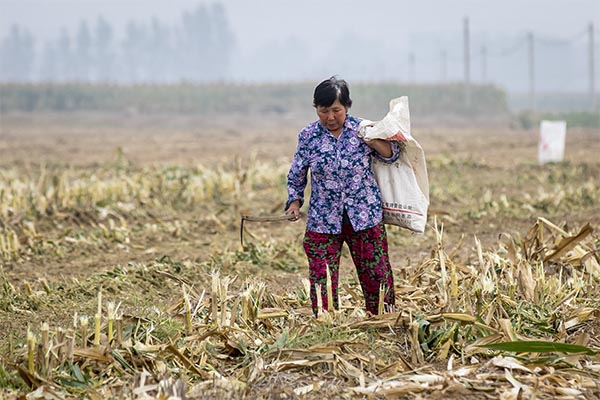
{"points": [[332, 117]]}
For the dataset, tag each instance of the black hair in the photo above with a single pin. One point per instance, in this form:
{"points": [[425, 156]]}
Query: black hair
{"points": [[330, 90]]}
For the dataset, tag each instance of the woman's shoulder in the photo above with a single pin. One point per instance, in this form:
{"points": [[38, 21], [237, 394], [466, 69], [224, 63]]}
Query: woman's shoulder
{"points": [[310, 130], [353, 122]]}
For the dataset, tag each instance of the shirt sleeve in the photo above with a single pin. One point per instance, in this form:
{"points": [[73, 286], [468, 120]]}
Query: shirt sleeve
{"points": [[297, 176], [395, 153]]}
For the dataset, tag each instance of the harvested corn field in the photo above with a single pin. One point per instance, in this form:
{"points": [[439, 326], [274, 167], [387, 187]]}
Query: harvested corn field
{"points": [[123, 275]]}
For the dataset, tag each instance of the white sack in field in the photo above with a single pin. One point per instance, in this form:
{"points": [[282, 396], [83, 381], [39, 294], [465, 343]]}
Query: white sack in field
{"points": [[551, 146], [404, 184]]}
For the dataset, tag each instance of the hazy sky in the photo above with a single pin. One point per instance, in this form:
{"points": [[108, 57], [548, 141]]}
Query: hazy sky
{"points": [[324, 28], [258, 21]]}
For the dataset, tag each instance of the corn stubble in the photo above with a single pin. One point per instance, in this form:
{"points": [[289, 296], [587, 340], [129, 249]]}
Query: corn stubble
{"points": [[234, 338], [213, 334]]}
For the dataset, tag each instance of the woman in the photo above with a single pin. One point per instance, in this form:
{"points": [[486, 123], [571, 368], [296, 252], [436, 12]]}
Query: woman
{"points": [[345, 202]]}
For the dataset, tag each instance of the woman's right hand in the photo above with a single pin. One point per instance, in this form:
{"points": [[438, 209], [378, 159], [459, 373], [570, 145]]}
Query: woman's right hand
{"points": [[294, 209]]}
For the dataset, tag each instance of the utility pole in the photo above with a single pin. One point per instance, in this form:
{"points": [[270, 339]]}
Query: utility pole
{"points": [[444, 66], [483, 64], [592, 82], [467, 62], [411, 67], [530, 42]]}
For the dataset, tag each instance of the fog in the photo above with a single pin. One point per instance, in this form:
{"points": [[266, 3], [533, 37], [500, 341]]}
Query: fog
{"points": [[276, 40]]}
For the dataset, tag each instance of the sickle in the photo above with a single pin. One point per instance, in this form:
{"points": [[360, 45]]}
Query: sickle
{"points": [[263, 218]]}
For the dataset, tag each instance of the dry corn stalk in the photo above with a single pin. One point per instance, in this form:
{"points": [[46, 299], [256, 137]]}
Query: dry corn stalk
{"points": [[188, 311], [98, 320], [30, 351], [330, 307]]}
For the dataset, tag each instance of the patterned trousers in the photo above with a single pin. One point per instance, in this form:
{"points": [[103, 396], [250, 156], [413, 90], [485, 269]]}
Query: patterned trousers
{"points": [[369, 250]]}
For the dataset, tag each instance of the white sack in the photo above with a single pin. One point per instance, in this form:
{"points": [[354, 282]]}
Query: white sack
{"points": [[404, 184], [551, 146]]}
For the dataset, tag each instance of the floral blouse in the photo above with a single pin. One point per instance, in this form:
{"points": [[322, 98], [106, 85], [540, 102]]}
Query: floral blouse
{"points": [[341, 178]]}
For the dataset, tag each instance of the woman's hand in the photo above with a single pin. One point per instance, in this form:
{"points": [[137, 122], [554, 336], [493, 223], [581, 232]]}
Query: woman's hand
{"points": [[383, 147], [294, 209]]}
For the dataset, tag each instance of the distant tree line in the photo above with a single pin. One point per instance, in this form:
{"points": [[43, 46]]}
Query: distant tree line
{"points": [[244, 99], [198, 48]]}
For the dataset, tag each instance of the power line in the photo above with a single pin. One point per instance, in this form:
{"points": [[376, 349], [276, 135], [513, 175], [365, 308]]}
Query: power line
{"points": [[508, 51], [548, 40], [552, 41]]}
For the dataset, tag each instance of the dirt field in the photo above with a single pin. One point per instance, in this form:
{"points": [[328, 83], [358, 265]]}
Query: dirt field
{"points": [[479, 160], [485, 183], [90, 139]]}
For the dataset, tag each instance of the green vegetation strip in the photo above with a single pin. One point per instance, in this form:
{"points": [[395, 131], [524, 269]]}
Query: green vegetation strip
{"points": [[210, 99], [539, 346]]}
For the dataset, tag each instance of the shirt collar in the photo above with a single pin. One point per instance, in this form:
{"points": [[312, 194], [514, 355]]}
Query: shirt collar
{"points": [[351, 122]]}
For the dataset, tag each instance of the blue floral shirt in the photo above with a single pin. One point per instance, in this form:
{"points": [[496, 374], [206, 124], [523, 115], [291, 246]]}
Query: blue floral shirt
{"points": [[341, 177]]}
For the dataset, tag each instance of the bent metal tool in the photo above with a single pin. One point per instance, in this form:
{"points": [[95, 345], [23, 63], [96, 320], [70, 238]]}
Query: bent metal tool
{"points": [[264, 218]]}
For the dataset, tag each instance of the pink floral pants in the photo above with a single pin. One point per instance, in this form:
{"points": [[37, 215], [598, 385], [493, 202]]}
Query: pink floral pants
{"points": [[369, 250]]}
